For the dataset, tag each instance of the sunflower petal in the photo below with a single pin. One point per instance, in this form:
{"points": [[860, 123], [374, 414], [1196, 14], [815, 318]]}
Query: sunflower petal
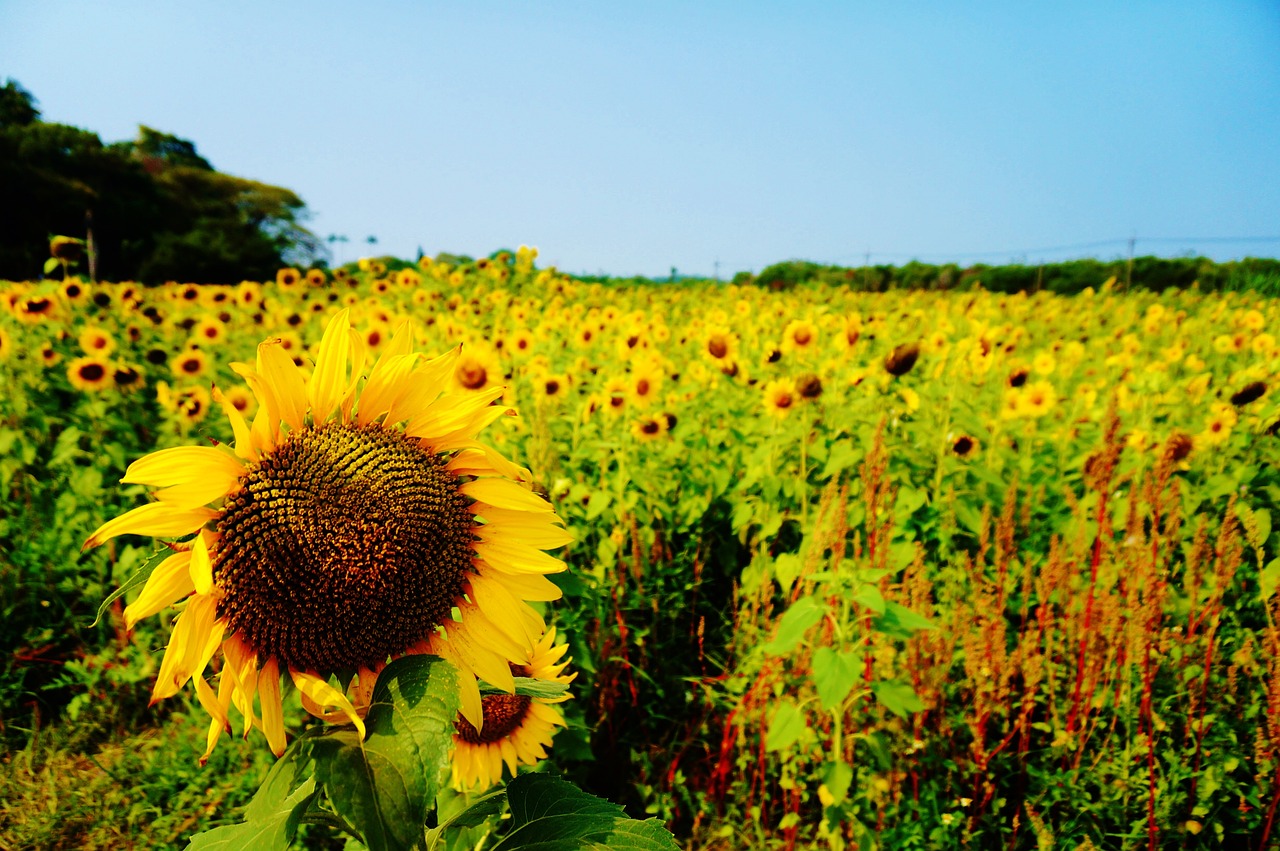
{"points": [[167, 584], [201, 566], [242, 664], [329, 380], [239, 429], [322, 694], [422, 387], [185, 655], [479, 659], [517, 558], [184, 465], [514, 617], [272, 705], [532, 586], [219, 723], [488, 635], [278, 372], [536, 530], [502, 493], [471, 706], [155, 519]]}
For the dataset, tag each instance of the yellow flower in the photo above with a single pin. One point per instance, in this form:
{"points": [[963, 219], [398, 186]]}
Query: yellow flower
{"points": [[89, 373], [780, 397], [339, 530], [95, 341]]}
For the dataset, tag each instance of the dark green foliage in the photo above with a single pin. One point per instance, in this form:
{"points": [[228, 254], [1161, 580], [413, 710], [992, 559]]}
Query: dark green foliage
{"points": [[157, 209]]}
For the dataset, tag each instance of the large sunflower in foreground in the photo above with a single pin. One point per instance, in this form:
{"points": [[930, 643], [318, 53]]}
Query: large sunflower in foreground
{"points": [[344, 528]]}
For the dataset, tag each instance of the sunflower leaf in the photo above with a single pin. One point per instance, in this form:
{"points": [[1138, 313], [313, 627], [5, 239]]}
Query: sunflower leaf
{"points": [[140, 576], [531, 687], [551, 814], [385, 785], [272, 827]]}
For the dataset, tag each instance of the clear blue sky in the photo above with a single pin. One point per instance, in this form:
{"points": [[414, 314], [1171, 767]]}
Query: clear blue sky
{"points": [[634, 137]]}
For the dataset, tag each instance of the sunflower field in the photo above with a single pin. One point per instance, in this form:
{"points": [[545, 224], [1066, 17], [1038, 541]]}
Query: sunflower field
{"points": [[844, 569]]}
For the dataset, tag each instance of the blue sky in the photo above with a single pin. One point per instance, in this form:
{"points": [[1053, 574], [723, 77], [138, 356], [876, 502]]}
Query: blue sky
{"points": [[631, 138]]}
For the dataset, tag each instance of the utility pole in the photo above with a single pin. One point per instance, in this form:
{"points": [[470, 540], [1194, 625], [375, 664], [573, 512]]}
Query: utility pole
{"points": [[90, 247], [1128, 272], [717, 276]]}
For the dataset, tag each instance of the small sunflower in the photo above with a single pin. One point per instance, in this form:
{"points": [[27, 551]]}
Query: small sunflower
{"points": [[780, 397], [720, 345], [189, 364], [89, 373], [517, 728], [340, 530], [650, 427], [127, 377], [95, 341]]}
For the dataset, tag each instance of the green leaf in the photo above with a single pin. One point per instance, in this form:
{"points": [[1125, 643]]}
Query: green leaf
{"points": [[786, 725], [138, 578], [898, 697], [1269, 579], [51, 264], [869, 596], [487, 805], [385, 785], [795, 622], [835, 675], [837, 778], [530, 686], [900, 622], [901, 554], [786, 567], [551, 814], [271, 819]]}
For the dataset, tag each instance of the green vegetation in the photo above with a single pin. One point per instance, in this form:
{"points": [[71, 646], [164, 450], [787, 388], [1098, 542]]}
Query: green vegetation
{"points": [[155, 208]]}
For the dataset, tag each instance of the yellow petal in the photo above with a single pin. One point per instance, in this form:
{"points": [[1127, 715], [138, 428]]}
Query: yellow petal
{"points": [[167, 584], [279, 373], [266, 422], [359, 351], [532, 586], [517, 558], [201, 566], [322, 694], [422, 387], [472, 708], [520, 622], [503, 493], [183, 465], [478, 658], [535, 529], [384, 382], [196, 629], [242, 664], [490, 636], [220, 723], [509, 755], [456, 414], [155, 519], [244, 440], [329, 380], [272, 706]]}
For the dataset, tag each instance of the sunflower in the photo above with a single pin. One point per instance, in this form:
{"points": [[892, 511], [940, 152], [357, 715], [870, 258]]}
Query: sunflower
{"points": [[800, 335], [645, 383], [95, 341], [35, 308], [89, 373], [317, 277], [477, 370], [127, 377], [720, 345], [780, 397], [288, 278], [650, 427], [517, 729], [189, 364], [342, 529]]}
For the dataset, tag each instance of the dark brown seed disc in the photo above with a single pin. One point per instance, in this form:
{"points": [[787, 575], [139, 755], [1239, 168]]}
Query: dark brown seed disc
{"points": [[503, 715], [342, 546]]}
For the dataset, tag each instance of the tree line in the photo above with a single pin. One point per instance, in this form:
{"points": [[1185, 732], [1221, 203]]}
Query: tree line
{"points": [[153, 208]]}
